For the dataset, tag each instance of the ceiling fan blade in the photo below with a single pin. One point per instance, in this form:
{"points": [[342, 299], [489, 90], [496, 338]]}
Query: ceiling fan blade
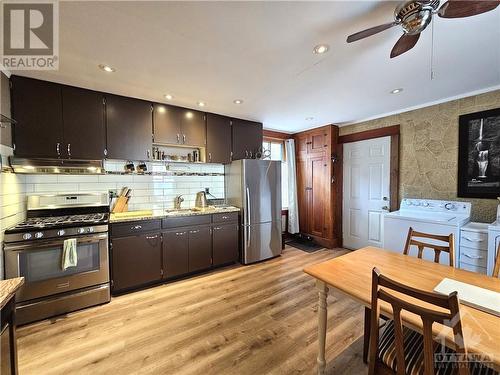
{"points": [[404, 44], [369, 32], [466, 8]]}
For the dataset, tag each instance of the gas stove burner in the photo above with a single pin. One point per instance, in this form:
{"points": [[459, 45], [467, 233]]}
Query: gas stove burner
{"points": [[61, 221]]}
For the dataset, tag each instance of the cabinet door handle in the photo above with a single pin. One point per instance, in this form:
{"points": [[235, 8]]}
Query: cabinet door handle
{"points": [[225, 217], [194, 231], [58, 149], [184, 138], [69, 149], [151, 237], [472, 256], [148, 154], [209, 156], [180, 233], [217, 228], [178, 138], [472, 239], [246, 153], [135, 227]]}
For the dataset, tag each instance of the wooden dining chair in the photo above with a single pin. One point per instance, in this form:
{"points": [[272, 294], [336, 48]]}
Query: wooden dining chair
{"points": [[438, 249], [396, 349], [412, 239], [496, 269]]}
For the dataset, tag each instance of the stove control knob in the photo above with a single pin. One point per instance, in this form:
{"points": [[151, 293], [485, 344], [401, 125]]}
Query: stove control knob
{"points": [[27, 236], [38, 235], [81, 230], [61, 232], [90, 229]]}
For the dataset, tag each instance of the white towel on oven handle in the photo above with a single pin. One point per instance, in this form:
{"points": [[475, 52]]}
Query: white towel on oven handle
{"points": [[69, 254]]}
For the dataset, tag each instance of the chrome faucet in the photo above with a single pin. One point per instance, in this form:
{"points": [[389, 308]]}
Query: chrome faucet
{"points": [[177, 202]]}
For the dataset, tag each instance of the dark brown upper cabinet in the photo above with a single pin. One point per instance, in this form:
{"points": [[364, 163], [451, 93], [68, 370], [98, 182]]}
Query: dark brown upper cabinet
{"points": [[167, 124], [178, 126], [193, 128], [129, 128], [37, 108], [84, 128], [218, 136], [247, 139]]}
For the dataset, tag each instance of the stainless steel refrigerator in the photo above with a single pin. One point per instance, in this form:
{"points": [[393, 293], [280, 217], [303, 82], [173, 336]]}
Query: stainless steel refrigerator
{"points": [[255, 187]]}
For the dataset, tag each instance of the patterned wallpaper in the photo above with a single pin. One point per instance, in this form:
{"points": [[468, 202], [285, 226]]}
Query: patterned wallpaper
{"points": [[429, 150]]}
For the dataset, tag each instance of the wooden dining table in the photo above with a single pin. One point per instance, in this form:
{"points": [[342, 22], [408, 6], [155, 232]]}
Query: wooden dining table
{"points": [[351, 275]]}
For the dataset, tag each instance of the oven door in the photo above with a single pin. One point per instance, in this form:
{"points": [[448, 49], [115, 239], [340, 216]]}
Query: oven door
{"points": [[40, 265]]}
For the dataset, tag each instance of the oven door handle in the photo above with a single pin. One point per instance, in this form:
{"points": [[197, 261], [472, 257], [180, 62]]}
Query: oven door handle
{"points": [[36, 244]]}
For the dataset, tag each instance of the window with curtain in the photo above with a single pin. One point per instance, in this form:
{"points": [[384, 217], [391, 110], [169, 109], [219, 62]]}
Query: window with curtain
{"points": [[274, 149]]}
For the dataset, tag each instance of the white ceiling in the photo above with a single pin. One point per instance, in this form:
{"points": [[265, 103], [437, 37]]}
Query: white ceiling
{"points": [[261, 52]]}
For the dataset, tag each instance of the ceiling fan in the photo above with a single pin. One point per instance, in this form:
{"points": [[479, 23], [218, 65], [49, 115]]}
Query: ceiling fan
{"points": [[415, 15]]}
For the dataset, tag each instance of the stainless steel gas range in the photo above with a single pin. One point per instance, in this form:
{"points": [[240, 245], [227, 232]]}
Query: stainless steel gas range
{"points": [[34, 249]]}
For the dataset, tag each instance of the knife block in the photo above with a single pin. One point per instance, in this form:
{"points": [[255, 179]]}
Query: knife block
{"points": [[121, 205]]}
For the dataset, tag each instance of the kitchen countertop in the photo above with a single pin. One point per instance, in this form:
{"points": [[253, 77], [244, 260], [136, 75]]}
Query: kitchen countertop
{"points": [[160, 214], [8, 288]]}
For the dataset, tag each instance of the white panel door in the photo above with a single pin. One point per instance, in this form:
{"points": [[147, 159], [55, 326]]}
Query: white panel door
{"points": [[366, 192]]}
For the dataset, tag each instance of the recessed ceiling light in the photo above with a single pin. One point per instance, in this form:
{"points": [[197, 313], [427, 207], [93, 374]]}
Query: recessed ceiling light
{"points": [[396, 91], [321, 48], [106, 68], [202, 104], [168, 97], [309, 118], [238, 101]]}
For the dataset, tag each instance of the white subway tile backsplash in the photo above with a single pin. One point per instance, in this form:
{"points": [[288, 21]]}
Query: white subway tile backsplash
{"points": [[148, 191]]}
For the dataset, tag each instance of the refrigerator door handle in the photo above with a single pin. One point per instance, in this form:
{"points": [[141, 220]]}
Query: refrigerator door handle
{"points": [[248, 205]]}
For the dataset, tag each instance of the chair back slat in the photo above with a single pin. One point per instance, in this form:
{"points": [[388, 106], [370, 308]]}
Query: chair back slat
{"points": [[383, 289], [438, 249], [496, 269]]}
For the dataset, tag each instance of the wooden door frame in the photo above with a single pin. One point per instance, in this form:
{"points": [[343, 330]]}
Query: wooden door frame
{"points": [[388, 131]]}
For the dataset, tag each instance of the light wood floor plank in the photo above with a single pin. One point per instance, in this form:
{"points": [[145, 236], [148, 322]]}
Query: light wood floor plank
{"points": [[258, 319]]}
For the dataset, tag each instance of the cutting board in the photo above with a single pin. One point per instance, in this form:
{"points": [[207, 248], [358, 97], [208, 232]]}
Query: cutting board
{"points": [[131, 214]]}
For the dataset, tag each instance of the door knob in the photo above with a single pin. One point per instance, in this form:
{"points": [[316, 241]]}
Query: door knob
{"points": [[385, 198], [385, 208]]}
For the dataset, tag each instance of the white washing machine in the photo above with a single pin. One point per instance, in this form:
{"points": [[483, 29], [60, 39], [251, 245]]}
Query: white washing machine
{"points": [[429, 216], [493, 242]]}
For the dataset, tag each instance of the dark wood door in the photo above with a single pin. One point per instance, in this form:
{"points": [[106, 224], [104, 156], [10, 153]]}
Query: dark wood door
{"points": [[247, 138], [84, 128], [225, 244], [218, 139], [175, 252], [200, 248], [37, 108], [319, 199], [167, 123], [193, 128], [129, 128], [136, 261]]}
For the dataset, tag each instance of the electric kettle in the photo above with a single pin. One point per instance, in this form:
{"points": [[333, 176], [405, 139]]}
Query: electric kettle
{"points": [[201, 200]]}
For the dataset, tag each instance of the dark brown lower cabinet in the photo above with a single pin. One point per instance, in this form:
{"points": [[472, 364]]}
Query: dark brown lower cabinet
{"points": [[200, 249], [136, 261], [175, 252], [225, 244], [8, 345]]}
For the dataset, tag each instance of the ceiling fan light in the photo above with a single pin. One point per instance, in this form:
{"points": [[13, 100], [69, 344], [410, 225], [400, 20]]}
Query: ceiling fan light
{"points": [[396, 91]]}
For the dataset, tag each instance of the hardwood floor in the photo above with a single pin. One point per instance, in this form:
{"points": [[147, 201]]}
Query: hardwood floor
{"points": [[258, 319]]}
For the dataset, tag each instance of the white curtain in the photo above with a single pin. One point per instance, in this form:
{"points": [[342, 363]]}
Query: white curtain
{"points": [[293, 209]]}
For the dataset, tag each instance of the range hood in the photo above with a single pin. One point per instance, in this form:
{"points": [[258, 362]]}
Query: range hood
{"points": [[56, 166]]}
